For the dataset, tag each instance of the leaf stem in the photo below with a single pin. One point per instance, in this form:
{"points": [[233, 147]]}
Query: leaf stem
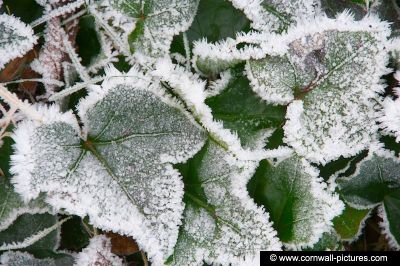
{"points": [[88, 145], [202, 204]]}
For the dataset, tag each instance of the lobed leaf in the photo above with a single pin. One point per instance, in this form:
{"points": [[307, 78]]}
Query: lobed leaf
{"points": [[222, 225], [350, 223], [118, 171], [376, 182], [276, 15], [156, 23], [329, 77], [300, 205]]}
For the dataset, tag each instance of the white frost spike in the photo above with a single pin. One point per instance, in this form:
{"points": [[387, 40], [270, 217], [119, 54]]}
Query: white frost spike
{"points": [[118, 172], [98, 252], [219, 85], [68, 8], [390, 119], [216, 57], [330, 76], [271, 15], [16, 39]]}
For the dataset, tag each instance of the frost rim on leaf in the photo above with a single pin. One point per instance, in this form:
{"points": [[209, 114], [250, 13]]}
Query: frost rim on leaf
{"points": [[22, 166], [18, 47]]}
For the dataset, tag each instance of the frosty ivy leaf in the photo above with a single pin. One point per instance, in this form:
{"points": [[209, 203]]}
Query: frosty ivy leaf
{"points": [[222, 225], [11, 204], [156, 22], [298, 201], [118, 172], [16, 38], [27, 226], [350, 223], [328, 241], [376, 182], [328, 76], [17, 258], [98, 252], [276, 15]]}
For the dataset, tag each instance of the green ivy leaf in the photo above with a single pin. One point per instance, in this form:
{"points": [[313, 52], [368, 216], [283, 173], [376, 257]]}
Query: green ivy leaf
{"points": [[376, 182], [27, 225], [298, 201], [244, 112], [16, 38], [272, 15], [118, 172], [157, 22], [350, 223], [329, 241], [329, 77], [221, 224], [11, 204]]}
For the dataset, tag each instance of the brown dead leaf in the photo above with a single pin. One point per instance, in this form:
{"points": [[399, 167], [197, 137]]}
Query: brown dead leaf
{"points": [[14, 68], [29, 86], [122, 245]]}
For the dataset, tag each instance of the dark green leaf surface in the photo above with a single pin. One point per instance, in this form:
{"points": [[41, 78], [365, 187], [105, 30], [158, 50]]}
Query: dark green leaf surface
{"points": [[292, 195], [348, 224], [27, 225], [376, 182], [243, 111]]}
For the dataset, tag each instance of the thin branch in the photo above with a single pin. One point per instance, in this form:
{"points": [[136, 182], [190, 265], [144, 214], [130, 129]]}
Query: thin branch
{"points": [[14, 102]]}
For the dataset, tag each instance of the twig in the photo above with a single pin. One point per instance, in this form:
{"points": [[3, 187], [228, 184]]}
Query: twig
{"points": [[144, 258]]}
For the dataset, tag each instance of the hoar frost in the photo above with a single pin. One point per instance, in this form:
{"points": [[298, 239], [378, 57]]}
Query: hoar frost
{"points": [[118, 173], [329, 77]]}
